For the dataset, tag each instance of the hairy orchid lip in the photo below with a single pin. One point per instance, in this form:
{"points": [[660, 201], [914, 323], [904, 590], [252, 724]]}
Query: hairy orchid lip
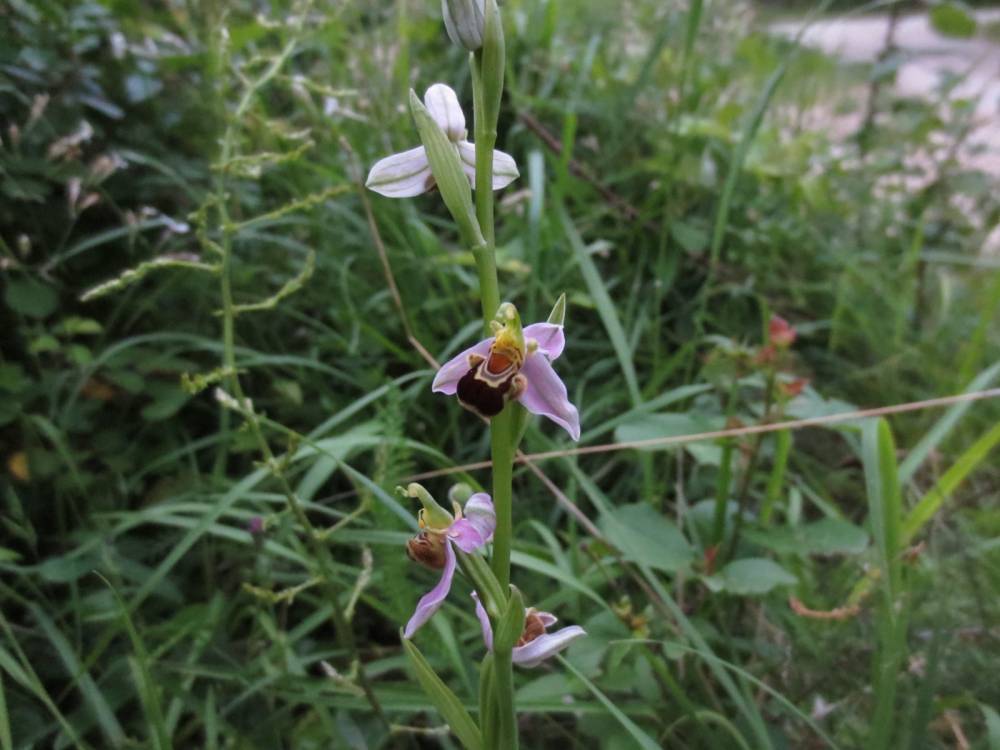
{"points": [[534, 627], [484, 396], [427, 549]]}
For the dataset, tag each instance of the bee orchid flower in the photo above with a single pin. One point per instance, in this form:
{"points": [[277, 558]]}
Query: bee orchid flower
{"points": [[535, 644], [408, 174], [468, 529], [515, 364]]}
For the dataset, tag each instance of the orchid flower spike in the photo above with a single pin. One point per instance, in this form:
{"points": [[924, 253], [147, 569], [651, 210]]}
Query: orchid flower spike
{"points": [[409, 173], [515, 364], [468, 529], [535, 644]]}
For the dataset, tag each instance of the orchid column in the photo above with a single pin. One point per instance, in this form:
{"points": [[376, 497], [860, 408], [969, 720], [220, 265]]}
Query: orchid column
{"points": [[495, 378]]}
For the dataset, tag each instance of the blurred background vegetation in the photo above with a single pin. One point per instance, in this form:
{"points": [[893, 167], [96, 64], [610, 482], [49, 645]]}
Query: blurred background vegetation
{"points": [[688, 171]]}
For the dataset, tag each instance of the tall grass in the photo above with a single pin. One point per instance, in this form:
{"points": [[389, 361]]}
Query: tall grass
{"points": [[685, 201]]}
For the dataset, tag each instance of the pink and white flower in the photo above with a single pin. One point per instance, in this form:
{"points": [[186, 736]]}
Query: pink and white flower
{"points": [[535, 644], [468, 529], [515, 364], [407, 174]]}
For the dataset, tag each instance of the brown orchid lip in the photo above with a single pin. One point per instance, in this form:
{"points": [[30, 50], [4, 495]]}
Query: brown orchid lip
{"points": [[427, 548], [491, 382], [533, 627]]}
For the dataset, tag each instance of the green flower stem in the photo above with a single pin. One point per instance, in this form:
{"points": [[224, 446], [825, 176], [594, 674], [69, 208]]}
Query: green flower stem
{"points": [[486, 98], [504, 686], [502, 450]]}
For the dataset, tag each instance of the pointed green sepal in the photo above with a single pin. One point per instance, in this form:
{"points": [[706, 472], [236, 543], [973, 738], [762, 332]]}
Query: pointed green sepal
{"points": [[510, 627], [446, 166], [444, 700], [558, 315]]}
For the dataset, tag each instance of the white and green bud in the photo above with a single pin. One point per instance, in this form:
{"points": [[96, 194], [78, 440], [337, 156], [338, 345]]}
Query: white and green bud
{"points": [[464, 21]]}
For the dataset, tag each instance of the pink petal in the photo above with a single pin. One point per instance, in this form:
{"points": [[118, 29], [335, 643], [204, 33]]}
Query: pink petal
{"points": [[549, 336], [466, 536], [479, 511], [401, 175], [443, 105], [431, 601], [446, 380], [534, 653], [484, 622], [546, 395], [548, 619]]}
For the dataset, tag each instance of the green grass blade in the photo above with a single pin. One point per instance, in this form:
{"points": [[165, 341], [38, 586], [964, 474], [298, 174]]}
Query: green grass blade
{"points": [[931, 503], [605, 307], [6, 741], [644, 740], [139, 662], [444, 700], [110, 727], [708, 717], [934, 437], [878, 453]]}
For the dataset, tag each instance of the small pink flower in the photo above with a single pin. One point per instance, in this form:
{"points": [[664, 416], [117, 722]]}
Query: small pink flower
{"points": [[515, 364], [468, 530], [535, 644], [780, 332]]}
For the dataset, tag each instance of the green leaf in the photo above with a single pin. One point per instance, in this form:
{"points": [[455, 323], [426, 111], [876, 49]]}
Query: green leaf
{"points": [[953, 19], [30, 297], [446, 702], [830, 536], [750, 576], [66, 569], [665, 424], [992, 719], [644, 536], [168, 398]]}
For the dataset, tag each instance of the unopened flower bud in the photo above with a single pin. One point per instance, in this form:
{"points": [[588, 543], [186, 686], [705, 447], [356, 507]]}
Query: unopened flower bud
{"points": [[464, 20]]}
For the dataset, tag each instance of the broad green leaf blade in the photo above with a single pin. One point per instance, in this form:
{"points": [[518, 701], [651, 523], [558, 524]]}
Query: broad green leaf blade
{"points": [[644, 740], [645, 536], [829, 536], [953, 19], [751, 576], [445, 701]]}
